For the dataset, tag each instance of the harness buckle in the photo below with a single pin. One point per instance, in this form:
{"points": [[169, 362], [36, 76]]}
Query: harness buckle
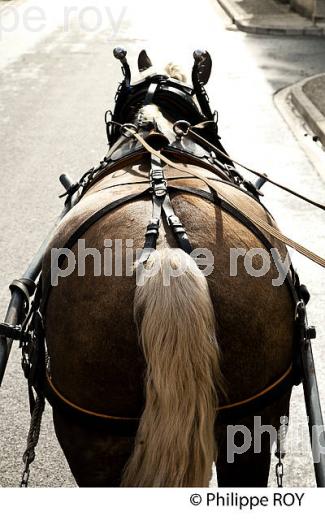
{"points": [[158, 183], [156, 175], [153, 227], [234, 174], [174, 221]]}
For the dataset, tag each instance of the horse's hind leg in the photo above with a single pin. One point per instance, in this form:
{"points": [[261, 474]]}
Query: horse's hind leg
{"points": [[95, 456], [250, 468]]}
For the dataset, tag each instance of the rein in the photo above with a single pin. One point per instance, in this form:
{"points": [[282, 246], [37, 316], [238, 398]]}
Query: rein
{"points": [[207, 143], [257, 221]]}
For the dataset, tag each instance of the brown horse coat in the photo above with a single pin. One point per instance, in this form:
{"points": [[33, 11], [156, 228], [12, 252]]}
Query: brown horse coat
{"points": [[95, 358]]}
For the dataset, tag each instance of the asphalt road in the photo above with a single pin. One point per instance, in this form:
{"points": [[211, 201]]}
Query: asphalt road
{"points": [[54, 91]]}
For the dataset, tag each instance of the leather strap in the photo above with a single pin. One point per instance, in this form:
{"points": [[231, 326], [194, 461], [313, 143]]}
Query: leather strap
{"points": [[214, 198], [150, 93], [127, 425], [137, 156], [161, 201], [159, 190], [176, 225], [207, 143], [81, 231], [256, 220]]}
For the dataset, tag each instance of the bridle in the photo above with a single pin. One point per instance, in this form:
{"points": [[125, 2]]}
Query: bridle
{"points": [[184, 101]]}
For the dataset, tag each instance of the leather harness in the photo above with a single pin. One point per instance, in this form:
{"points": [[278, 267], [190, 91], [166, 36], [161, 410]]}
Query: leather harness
{"points": [[157, 187], [128, 147]]}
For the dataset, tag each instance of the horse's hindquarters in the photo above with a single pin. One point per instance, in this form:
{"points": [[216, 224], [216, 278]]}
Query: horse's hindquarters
{"points": [[96, 361]]}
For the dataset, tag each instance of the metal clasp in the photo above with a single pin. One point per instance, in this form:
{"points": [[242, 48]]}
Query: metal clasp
{"points": [[181, 128], [175, 223], [153, 226], [158, 183]]}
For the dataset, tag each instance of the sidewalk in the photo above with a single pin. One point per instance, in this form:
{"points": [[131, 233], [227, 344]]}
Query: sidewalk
{"points": [[269, 17], [308, 97], [272, 17]]}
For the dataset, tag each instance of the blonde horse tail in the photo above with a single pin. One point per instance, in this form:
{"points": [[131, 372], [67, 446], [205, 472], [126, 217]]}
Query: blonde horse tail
{"points": [[175, 442]]}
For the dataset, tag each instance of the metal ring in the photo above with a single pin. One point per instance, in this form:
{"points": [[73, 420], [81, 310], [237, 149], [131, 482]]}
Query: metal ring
{"points": [[181, 128], [128, 129]]}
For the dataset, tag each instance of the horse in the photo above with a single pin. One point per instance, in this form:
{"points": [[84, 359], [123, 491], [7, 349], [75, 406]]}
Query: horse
{"points": [[156, 375]]}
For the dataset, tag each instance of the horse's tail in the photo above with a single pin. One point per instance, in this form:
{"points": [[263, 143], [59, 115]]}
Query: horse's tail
{"points": [[175, 442]]}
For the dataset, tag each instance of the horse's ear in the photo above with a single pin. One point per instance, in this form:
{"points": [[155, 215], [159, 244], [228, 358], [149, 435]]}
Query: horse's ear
{"points": [[144, 61], [204, 65]]}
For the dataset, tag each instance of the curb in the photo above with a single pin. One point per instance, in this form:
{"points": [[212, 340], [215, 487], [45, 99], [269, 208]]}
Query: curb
{"points": [[235, 12], [306, 108], [297, 125], [240, 18]]}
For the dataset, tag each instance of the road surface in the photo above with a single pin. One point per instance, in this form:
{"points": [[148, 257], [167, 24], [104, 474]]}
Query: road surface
{"points": [[55, 85]]}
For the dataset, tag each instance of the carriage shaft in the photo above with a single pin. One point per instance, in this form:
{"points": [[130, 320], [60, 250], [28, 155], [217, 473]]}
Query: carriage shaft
{"points": [[314, 414], [15, 312]]}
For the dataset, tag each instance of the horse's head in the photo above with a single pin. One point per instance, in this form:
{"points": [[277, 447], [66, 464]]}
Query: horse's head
{"points": [[161, 96], [151, 114]]}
